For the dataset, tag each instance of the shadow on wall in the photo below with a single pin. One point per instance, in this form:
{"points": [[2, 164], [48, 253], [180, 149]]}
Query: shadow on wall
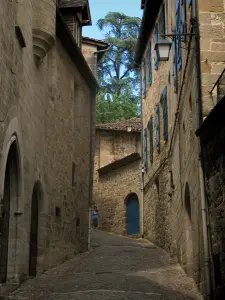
{"points": [[162, 222]]}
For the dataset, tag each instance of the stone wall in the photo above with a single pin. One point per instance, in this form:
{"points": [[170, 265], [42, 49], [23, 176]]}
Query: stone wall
{"points": [[212, 134], [212, 18], [90, 56], [111, 189], [172, 213], [46, 108]]}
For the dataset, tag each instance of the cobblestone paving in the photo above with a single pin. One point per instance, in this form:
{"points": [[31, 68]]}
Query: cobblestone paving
{"points": [[117, 268]]}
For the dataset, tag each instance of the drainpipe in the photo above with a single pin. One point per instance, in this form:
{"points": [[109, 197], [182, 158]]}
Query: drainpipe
{"points": [[91, 160], [200, 158], [142, 154], [91, 166], [93, 58]]}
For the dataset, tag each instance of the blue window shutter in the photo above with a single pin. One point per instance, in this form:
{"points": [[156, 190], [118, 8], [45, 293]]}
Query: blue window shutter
{"points": [[145, 149], [156, 38], [189, 3], [163, 22], [165, 114], [151, 139], [144, 78], [175, 64], [157, 128], [150, 63], [178, 31], [184, 17]]}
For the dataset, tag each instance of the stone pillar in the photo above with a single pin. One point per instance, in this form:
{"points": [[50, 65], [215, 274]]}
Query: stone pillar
{"points": [[44, 19]]}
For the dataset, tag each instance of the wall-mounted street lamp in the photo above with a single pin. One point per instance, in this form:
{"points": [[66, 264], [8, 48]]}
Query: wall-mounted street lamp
{"points": [[163, 47], [129, 128]]}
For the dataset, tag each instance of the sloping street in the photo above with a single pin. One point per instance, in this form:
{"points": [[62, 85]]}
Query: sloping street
{"points": [[116, 268]]}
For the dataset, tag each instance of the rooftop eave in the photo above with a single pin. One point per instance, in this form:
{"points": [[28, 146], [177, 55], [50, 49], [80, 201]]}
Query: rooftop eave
{"points": [[74, 51], [119, 163], [151, 11]]}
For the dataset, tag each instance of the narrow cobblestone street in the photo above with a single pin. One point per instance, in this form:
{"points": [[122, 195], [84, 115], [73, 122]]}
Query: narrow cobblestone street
{"points": [[116, 268]]}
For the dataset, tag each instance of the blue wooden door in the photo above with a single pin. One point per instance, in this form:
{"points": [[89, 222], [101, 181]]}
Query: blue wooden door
{"points": [[133, 219]]}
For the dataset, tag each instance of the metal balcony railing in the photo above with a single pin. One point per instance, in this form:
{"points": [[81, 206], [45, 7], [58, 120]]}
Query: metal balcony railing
{"points": [[219, 87]]}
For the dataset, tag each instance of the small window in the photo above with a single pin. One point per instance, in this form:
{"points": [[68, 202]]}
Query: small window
{"points": [[58, 211], [73, 174], [151, 139], [78, 222], [178, 31], [175, 78], [165, 114], [145, 149], [156, 38], [183, 19], [157, 128], [144, 78], [150, 63], [162, 23]]}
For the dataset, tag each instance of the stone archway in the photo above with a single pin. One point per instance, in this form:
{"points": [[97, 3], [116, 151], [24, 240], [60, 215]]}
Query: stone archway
{"points": [[188, 232], [9, 205], [37, 200], [132, 214]]}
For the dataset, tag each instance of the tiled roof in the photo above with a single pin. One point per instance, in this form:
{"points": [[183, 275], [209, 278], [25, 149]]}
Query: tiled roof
{"points": [[135, 123], [88, 39], [72, 3]]}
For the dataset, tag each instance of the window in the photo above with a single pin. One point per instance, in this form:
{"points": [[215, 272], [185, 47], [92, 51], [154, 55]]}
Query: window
{"points": [[163, 23], [183, 18], [165, 114], [144, 77], [151, 138], [145, 149], [175, 64], [150, 63], [157, 128], [57, 211], [178, 31], [73, 173], [156, 38]]}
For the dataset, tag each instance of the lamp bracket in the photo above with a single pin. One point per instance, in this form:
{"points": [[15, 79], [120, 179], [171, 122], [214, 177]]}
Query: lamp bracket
{"points": [[175, 36]]}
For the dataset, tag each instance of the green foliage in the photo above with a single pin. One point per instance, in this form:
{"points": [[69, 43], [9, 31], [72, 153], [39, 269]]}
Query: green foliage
{"points": [[119, 81], [113, 110]]}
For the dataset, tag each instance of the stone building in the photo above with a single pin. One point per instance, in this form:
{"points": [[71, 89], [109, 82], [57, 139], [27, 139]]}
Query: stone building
{"points": [[212, 133], [175, 99], [117, 174], [47, 107], [93, 50]]}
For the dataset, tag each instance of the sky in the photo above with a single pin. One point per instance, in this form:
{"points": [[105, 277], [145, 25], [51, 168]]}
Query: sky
{"points": [[99, 8]]}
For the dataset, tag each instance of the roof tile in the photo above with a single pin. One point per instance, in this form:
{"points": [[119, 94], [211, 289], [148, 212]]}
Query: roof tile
{"points": [[135, 123]]}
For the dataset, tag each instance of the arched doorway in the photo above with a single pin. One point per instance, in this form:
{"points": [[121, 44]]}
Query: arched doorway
{"points": [[188, 231], [133, 215], [36, 199], [9, 200]]}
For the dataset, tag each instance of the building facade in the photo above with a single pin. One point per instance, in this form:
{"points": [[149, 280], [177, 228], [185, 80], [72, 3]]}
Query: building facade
{"points": [[117, 176], [46, 126], [175, 99], [211, 133], [93, 50]]}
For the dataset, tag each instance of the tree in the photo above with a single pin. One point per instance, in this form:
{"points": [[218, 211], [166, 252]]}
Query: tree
{"points": [[118, 79], [119, 108]]}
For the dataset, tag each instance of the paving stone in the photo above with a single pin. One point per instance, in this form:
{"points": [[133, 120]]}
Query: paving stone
{"points": [[120, 268]]}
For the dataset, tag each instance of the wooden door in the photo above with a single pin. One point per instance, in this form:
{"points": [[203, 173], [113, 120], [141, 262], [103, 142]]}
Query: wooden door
{"points": [[133, 219], [4, 226]]}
